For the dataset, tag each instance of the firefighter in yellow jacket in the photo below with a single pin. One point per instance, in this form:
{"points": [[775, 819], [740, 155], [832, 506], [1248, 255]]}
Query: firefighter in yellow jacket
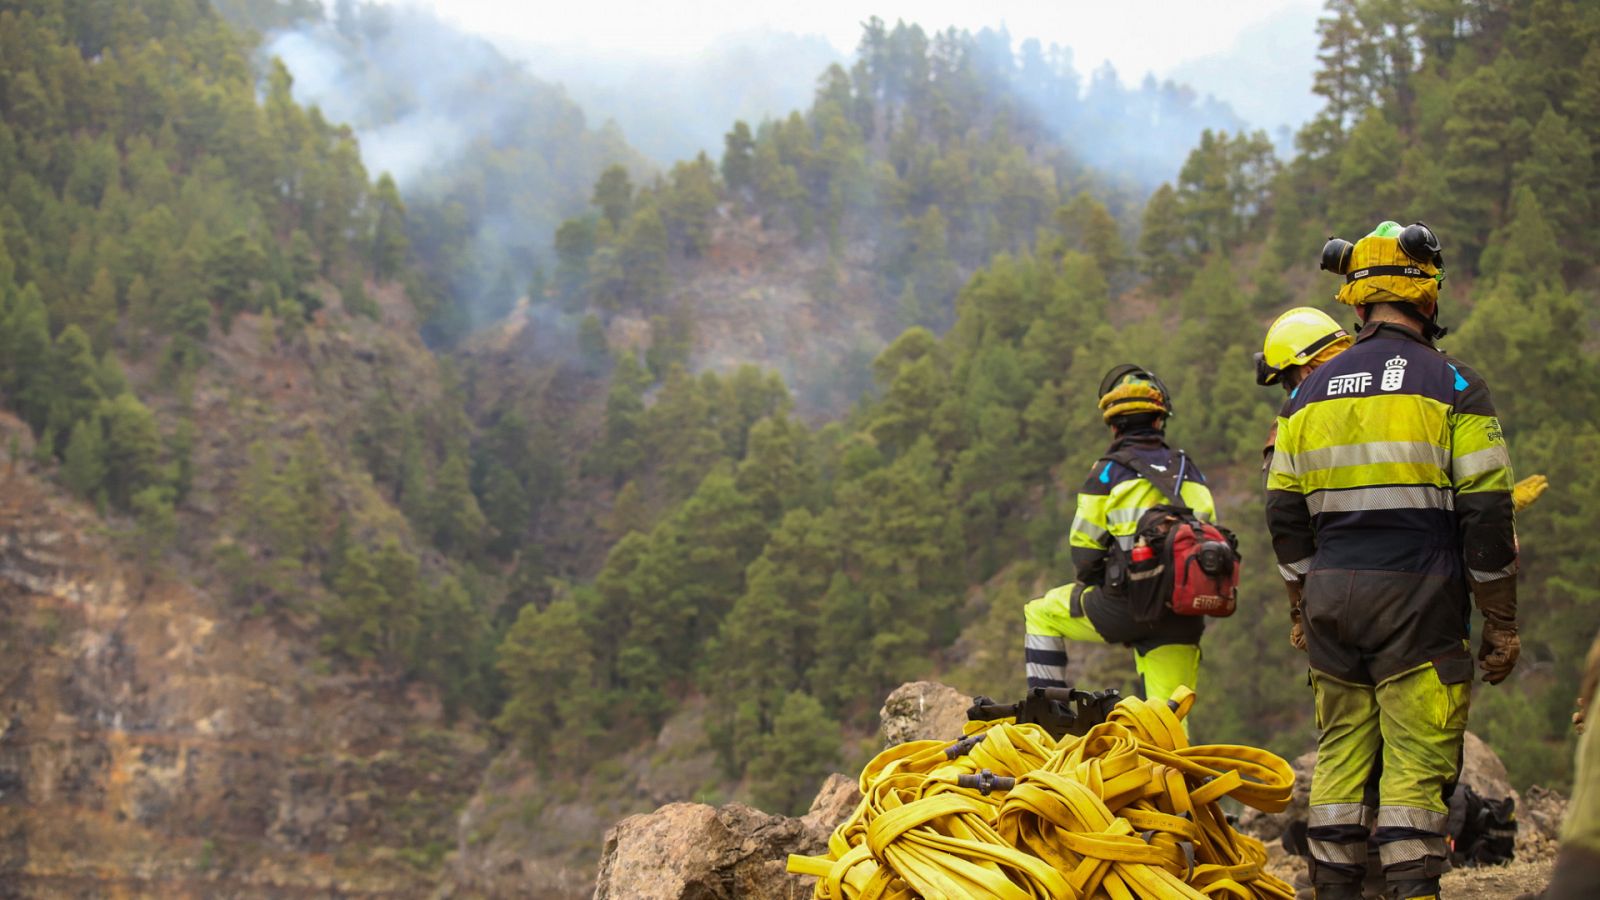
{"points": [[1135, 405], [1389, 502]]}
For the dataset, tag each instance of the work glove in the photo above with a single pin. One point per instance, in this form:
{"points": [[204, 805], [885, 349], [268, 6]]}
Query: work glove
{"points": [[1297, 629], [1524, 492], [1589, 686], [1500, 646]]}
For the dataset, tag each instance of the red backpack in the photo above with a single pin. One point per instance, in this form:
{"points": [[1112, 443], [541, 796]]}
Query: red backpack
{"points": [[1177, 562]]}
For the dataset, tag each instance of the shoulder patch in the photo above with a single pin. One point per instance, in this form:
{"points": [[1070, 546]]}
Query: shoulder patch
{"points": [[1461, 380], [1105, 473]]}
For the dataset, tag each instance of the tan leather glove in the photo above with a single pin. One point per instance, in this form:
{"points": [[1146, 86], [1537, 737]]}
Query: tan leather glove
{"points": [[1524, 492], [1588, 686], [1499, 647], [1297, 630]]}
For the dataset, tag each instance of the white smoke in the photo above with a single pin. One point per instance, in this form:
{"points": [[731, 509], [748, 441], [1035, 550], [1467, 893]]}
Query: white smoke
{"points": [[411, 90]]}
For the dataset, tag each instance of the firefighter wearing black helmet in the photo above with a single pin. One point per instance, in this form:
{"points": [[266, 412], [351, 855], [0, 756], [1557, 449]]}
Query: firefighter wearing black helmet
{"points": [[1135, 405]]}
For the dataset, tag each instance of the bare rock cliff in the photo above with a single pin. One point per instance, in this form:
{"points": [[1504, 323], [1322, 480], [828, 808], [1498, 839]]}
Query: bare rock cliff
{"points": [[155, 743]]}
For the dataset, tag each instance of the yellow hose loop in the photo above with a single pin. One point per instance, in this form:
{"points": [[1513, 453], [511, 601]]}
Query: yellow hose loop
{"points": [[1128, 810]]}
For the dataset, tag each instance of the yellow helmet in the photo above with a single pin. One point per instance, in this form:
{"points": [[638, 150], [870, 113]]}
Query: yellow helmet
{"points": [[1128, 389], [1392, 264], [1298, 337]]}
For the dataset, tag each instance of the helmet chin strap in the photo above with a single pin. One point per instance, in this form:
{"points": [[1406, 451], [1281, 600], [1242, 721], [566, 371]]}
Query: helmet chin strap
{"points": [[1428, 325]]}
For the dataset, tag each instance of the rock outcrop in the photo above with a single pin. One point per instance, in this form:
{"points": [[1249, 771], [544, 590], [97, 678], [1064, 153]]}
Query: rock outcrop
{"points": [[922, 711], [155, 743], [691, 851]]}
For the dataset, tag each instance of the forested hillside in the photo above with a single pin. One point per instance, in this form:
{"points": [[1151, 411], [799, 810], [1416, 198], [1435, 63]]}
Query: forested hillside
{"points": [[489, 158], [806, 570], [587, 522]]}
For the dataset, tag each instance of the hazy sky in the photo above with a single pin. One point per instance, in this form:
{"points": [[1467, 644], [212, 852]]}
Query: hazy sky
{"points": [[1135, 35]]}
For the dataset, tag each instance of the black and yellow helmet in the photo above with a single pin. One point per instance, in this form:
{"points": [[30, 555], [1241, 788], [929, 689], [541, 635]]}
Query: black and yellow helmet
{"points": [[1128, 389], [1392, 264]]}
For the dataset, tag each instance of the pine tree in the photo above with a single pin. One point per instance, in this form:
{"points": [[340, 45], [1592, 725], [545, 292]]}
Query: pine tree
{"points": [[688, 205], [679, 428], [613, 194], [621, 450], [548, 670], [1161, 239], [400, 617], [455, 519], [1365, 191], [575, 243], [642, 253], [1485, 137], [232, 266], [27, 358], [1089, 227], [98, 310], [505, 507], [738, 157], [1559, 170], [802, 749], [73, 388], [83, 468], [353, 619], [389, 243], [133, 449], [451, 651], [1340, 80]]}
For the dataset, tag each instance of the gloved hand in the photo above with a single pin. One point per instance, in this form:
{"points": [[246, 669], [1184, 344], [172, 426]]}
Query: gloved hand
{"points": [[1524, 492], [1500, 646], [1297, 630]]}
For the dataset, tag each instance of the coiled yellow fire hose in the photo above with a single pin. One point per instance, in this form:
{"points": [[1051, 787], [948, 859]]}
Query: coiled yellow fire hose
{"points": [[1128, 810]]}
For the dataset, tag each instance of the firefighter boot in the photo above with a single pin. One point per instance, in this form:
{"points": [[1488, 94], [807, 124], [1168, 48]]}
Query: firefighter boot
{"points": [[1415, 889]]}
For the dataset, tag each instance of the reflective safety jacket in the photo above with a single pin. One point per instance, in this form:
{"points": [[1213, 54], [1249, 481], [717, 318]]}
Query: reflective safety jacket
{"points": [[1110, 504], [1389, 458]]}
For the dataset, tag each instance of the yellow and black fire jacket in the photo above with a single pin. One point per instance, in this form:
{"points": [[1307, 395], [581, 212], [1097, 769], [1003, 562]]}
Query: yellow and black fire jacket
{"points": [[1110, 504], [1389, 458]]}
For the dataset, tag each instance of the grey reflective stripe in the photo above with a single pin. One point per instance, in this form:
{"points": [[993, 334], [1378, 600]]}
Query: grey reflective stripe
{"points": [[1410, 496], [1282, 462], [1048, 673], [1088, 529], [1046, 642], [1480, 462], [1340, 814], [1125, 541], [1480, 575], [1410, 850], [1411, 817], [1126, 515], [1365, 454], [1353, 853], [1296, 570]]}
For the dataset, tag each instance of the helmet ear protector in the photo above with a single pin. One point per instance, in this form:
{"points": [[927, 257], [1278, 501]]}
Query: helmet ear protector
{"points": [[1419, 242], [1120, 372], [1336, 256]]}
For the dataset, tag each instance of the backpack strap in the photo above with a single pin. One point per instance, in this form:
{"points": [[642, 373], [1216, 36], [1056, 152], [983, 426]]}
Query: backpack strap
{"points": [[1169, 484]]}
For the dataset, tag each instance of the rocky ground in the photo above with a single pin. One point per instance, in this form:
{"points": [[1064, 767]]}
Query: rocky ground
{"points": [[698, 852]]}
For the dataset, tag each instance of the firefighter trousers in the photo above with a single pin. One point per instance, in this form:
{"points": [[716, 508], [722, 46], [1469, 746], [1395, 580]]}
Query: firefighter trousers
{"points": [[1054, 619], [1416, 723]]}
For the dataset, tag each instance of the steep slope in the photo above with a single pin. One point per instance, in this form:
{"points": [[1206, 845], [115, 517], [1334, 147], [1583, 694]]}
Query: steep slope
{"points": [[159, 745], [241, 664]]}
